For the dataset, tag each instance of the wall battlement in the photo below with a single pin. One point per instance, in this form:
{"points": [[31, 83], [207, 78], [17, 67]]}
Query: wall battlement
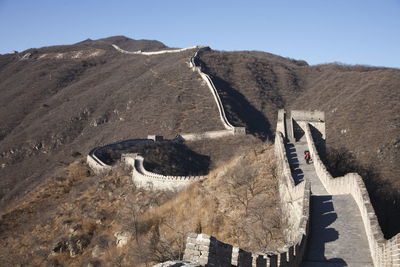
{"points": [[146, 179], [295, 204], [384, 252]]}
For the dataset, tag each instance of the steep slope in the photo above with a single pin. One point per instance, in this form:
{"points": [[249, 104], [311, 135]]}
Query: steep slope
{"points": [[253, 86], [76, 218], [62, 101], [361, 105]]}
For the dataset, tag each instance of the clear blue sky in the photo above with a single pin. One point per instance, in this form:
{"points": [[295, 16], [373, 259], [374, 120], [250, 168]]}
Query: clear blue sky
{"points": [[318, 31]]}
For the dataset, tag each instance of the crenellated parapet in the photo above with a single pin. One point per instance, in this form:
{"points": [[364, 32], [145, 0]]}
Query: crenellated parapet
{"points": [[384, 252], [145, 179]]}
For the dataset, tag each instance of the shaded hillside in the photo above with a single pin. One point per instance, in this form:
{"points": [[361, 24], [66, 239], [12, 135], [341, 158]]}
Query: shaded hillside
{"points": [[253, 86], [167, 158], [361, 106], [362, 111], [64, 100]]}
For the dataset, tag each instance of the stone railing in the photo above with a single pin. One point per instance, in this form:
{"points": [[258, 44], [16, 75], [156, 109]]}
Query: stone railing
{"points": [[155, 52], [295, 200], [145, 179], [384, 252]]}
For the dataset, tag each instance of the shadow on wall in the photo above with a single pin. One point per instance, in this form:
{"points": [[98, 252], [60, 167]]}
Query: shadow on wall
{"points": [[239, 110], [386, 203], [323, 215], [163, 157], [319, 142], [294, 164]]}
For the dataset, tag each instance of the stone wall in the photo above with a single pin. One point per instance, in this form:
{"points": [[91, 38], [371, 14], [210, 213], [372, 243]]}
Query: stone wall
{"points": [[314, 117], [207, 135], [384, 252], [206, 78], [155, 52], [145, 179], [286, 120], [207, 250], [96, 164], [280, 124], [295, 200]]}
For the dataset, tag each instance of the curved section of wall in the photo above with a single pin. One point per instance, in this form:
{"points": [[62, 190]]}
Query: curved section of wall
{"points": [[206, 78], [384, 252], [98, 166], [145, 179]]}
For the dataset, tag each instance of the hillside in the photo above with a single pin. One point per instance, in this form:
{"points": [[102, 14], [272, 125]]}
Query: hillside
{"points": [[77, 219], [60, 102], [64, 100], [361, 104]]}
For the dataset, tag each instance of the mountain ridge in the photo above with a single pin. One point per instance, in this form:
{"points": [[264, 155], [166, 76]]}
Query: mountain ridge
{"points": [[75, 97]]}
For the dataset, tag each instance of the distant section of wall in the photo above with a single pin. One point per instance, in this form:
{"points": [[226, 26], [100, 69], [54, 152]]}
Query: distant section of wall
{"points": [[155, 52], [206, 78], [306, 115], [207, 135], [145, 179], [384, 252]]}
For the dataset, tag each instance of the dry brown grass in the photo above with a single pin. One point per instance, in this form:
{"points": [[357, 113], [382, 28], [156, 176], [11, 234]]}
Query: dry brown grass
{"points": [[80, 213], [237, 204]]}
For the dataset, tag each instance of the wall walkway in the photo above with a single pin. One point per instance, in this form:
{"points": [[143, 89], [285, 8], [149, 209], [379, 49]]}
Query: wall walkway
{"points": [[384, 253], [337, 236], [344, 229]]}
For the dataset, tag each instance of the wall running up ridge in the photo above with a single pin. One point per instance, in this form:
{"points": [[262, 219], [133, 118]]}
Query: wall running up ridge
{"points": [[155, 52], [100, 167], [206, 78], [384, 252]]}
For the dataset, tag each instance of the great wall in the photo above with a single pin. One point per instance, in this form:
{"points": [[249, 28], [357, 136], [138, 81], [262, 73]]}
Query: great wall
{"points": [[331, 221]]}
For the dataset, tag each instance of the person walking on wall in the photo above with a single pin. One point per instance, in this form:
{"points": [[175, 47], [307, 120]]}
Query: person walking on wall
{"points": [[307, 156]]}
